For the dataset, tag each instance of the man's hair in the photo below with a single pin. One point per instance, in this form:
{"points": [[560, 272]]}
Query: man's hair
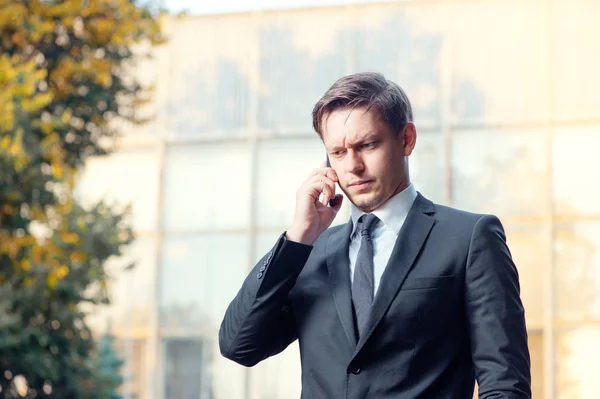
{"points": [[365, 89]]}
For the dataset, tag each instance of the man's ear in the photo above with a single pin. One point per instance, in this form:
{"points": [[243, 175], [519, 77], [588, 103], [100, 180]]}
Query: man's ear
{"points": [[409, 135]]}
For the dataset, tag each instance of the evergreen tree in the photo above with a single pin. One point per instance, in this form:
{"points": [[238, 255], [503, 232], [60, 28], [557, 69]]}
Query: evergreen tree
{"points": [[108, 369]]}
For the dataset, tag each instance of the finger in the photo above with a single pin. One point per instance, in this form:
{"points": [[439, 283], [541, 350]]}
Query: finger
{"points": [[329, 182], [328, 191], [323, 186], [332, 175], [314, 186], [324, 179], [329, 172]]}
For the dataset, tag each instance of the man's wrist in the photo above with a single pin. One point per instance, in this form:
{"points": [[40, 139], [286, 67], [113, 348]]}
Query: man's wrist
{"points": [[298, 238]]}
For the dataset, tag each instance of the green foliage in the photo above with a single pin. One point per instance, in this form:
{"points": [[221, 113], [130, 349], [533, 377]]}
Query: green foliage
{"points": [[107, 365], [63, 77]]}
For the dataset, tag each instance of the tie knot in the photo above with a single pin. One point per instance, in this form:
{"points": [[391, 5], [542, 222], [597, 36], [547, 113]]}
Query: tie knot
{"points": [[368, 221]]}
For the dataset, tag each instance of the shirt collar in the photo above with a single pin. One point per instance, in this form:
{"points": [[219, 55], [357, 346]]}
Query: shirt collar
{"points": [[392, 213]]}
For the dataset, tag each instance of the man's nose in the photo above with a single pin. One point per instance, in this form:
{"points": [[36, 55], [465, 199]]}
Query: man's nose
{"points": [[354, 162]]}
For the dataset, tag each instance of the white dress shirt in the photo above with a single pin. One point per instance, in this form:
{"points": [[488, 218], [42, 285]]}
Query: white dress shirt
{"points": [[385, 232]]}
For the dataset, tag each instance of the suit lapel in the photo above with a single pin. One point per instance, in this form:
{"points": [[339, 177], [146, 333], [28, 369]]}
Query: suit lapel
{"points": [[339, 276], [411, 238]]}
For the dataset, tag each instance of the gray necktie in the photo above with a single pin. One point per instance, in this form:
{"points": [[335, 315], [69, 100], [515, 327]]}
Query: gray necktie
{"points": [[364, 281]]}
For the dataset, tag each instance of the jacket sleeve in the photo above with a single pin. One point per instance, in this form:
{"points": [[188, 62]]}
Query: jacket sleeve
{"points": [[495, 313], [259, 322]]}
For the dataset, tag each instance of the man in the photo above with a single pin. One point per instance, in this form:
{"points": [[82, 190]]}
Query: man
{"points": [[409, 299]]}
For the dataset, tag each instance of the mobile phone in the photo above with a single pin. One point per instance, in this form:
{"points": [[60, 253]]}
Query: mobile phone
{"points": [[331, 201]]}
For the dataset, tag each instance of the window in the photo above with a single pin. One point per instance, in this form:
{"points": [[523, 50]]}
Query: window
{"points": [[184, 369], [127, 176], [133, 352], [200, 275], [301, 54], [577, 273], [426, 166], [526, 244], [575, 171], [131, 291], [485, 91], [500, 172], [207, 186], [405, 44], [207, 84], [577, 354], [575, 77]]}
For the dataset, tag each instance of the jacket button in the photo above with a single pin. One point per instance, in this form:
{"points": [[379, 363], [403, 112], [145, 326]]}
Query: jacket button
{"points": [[355, 369]]}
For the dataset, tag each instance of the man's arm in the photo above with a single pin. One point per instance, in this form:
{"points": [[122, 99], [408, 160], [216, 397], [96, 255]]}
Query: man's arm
{"points": [[259, 321], [495, 313]]}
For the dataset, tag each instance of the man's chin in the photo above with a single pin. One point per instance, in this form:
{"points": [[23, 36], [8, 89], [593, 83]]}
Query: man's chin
{"points": [[365, 202]]}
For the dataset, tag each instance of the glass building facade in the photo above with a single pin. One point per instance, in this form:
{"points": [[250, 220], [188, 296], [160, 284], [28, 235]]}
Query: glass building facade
{"points": [[505, 95]]}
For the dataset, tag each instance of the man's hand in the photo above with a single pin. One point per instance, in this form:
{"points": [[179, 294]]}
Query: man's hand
{"points": [[312, 216]]}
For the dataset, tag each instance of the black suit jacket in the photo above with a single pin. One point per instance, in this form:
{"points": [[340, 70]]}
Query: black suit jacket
{"points": [[447, 311]]}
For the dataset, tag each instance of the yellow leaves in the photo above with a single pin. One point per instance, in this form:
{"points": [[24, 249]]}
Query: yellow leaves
{"points": [[7, 74], [12, 195], [5, 142], [36, 102], [12, 145], [105, 79], [51, 140], [19, 79], [78, 257], [56, 275], [68, 237], [103, 28], [25, 264], [52, 150], [65, 117], [37, 253], [70, 69], [13, 13], [52, 280], [26, 240], [8, 209], [61, 272], [58, 171], [27, 254]]}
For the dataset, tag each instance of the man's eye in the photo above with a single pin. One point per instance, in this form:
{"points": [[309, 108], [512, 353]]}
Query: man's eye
{"points": [[368, 145]]}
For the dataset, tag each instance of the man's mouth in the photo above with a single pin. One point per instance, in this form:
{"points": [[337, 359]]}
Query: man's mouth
{"points": [[360, 184]]}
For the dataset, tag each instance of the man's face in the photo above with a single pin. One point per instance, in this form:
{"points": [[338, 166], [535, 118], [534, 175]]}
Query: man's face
{"points": [[368, 158]]}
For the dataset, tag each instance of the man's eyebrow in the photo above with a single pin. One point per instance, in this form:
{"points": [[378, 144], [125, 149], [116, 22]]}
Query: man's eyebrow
{"points": [[370, 136]]}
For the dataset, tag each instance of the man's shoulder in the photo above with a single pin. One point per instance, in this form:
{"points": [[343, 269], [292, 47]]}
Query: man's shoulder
{"points": [[459, 216], [452, 212]]}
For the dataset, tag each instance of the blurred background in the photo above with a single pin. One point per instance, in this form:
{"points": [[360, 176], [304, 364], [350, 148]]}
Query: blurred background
{"points": [[505, 96]]}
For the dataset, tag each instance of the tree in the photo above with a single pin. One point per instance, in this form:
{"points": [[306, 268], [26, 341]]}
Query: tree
{"points": [[107, 365], [63, 79]]}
